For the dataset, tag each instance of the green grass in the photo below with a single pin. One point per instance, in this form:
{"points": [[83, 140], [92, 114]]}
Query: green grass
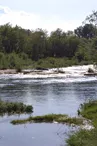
{"points": [[14, 108], [83, 138], [86, 137], [89, 111], [73, 120], [49, 119]]}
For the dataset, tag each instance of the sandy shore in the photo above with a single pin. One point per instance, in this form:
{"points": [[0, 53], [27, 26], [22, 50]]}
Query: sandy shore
{"points": [[8, 71], [33, 71]]}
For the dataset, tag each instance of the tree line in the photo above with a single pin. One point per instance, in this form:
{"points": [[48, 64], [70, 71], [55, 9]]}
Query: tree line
{"points": [[22, 47]]}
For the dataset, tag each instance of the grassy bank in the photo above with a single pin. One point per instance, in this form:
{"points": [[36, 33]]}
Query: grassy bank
{"points": [[14, 108], [86, 137], [49, 119], [83, 138], [89, 111]]}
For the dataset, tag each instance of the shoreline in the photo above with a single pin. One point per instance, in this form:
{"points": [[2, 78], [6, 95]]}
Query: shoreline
{"points": [[44, 71], [8, 71]]}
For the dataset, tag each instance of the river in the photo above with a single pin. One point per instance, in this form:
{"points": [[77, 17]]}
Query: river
{"points": [[48, 93]]}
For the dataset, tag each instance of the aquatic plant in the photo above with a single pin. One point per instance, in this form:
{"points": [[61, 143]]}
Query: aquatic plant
{"points": [[14, 107], [49, 119]]}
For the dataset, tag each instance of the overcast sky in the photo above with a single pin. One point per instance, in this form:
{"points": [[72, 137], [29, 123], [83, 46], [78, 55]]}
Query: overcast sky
{"points": [[46, 14]]}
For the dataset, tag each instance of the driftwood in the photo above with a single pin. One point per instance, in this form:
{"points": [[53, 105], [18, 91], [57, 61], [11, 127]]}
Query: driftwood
{"points": [[90, 74]]}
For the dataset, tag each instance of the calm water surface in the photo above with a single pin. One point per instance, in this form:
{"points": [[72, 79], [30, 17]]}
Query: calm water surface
{"points": [[47, 96]]}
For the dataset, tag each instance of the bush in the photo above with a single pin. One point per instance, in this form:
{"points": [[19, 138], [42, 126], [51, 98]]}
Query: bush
{"points": [[29, 108]]}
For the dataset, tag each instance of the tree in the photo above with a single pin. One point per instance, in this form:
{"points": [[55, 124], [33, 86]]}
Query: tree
{"points": [[86, 31], [38, 41], [92, 19], [79, 31], [56, 43]]}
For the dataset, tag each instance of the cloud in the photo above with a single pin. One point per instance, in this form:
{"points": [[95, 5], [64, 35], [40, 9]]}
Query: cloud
{"points": [[33, 20], [4, 10]]}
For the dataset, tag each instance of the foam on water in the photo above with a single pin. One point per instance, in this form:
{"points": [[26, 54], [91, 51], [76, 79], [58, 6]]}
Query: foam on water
{"points": [[70, 74]]}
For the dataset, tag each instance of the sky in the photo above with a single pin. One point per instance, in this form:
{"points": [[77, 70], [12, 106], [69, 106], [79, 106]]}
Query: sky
{"points": [[46, 14]]}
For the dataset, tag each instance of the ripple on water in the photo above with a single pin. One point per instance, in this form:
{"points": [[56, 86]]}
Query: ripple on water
{"points": [[56, 93]]}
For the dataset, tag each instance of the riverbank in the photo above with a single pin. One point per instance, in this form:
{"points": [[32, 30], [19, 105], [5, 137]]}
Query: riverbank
{"points": [[74, 70], [86, 137]]}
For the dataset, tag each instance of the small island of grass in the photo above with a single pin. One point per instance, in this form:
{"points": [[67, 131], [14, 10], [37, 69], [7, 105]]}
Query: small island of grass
{"points": [[50, 118], [14, 108]]}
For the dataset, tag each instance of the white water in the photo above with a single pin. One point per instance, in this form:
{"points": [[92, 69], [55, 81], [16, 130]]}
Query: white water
{"points": [[37, 89], [71, 74]]}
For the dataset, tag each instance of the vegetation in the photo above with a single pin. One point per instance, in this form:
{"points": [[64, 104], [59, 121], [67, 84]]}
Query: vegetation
{"points": [[86, 137], [51, 62], [83, 138], [89, 111], [49, 119], [21, 48], [14, 108]]}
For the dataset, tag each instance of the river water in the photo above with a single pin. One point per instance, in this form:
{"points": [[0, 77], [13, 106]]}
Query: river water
{"points": [[48, 93]]}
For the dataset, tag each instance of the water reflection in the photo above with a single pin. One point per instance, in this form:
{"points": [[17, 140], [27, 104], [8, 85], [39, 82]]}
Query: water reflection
{"points": [[86, 91], [33, 134], [46, 97]]}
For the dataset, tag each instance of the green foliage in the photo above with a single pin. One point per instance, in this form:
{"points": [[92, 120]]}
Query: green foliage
{"points": [[86, 137], [21, 48], [14, 107], [3, 61], [52, 62], [28, 109], [49, 119], [87, 31], [89, 111], [83, 138], [14, 60]]}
